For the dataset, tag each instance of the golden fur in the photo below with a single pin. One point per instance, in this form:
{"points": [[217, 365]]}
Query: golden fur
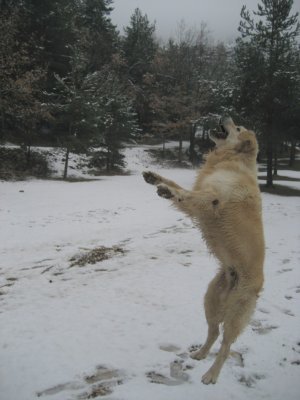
{"points": [[225, 204]]}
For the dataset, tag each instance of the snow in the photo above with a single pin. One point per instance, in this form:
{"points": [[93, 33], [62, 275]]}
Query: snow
{"points": [[121, 323]]}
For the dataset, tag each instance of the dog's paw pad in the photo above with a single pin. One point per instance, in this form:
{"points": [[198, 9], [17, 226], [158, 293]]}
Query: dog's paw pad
{"points": [[165, 192], [150, 177]]}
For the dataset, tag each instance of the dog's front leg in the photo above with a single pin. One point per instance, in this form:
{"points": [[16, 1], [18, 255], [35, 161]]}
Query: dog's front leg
{"points": [[204, 200], [191, 202], [167, 192], [165, 187], [154, 179]]}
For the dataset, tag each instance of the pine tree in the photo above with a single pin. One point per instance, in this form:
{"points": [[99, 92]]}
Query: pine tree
{"points": [[139, 48], [139, 45], [115, 120], [271, 35], [94, 23], [11, 59], [51, 25], [21, 101], [73, 107]]}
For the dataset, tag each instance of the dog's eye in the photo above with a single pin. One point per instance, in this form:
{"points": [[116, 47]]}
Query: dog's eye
{"points": [[238, 129]]}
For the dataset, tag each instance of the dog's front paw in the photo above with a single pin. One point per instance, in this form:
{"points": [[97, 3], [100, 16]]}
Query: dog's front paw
{"points": [[199, 354], [211, 376], [151, 177], [165, 192]]}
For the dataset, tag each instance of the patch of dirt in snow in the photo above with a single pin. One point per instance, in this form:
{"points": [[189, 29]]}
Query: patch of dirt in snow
{"points": [[95, 255]]}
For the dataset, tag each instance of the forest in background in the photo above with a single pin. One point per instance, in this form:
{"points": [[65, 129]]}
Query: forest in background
{"points": [[70, 79]]}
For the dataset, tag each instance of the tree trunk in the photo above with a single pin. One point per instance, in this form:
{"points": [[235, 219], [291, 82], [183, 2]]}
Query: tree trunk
{"points": [[275, 172], [66, 163], [192, 144], [292, 153], [180, 148], [164, 145], [108, 160], [2, 122], [28, 154], [269, 182]]}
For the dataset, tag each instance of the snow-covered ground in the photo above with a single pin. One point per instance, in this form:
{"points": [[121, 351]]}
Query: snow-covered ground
{"points": [[122, 328]]}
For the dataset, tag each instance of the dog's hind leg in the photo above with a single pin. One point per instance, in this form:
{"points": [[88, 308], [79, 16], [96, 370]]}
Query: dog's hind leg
{"points": [[214, 313], [236, 318]]}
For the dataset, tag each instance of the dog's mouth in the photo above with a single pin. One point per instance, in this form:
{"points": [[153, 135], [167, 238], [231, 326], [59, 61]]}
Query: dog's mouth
{"points": [[221, 133]]}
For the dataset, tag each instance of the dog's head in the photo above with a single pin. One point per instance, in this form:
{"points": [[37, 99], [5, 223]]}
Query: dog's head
{"points": [[235, 137]]}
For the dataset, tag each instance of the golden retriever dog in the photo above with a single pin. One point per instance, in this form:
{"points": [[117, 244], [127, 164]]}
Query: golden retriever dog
{"points": [[225, 204]]}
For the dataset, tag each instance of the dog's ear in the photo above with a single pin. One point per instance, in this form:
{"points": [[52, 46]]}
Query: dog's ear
{"points": [[246, 143], [244, 146]]}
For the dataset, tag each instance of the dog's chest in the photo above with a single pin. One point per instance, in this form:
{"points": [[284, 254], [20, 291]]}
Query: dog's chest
{"points": [[223, 181]]}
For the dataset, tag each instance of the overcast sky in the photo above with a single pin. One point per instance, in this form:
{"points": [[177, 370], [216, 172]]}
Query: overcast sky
{"points": [[221, 16]]}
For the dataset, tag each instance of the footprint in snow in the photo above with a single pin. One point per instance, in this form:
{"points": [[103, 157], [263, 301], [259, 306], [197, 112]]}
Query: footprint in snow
{"points": [[155, 377], [60, 388], [283, 270], [251, 380], [178, 367], [169, 347], [288, 312], [182, 364], [260, 328], [263, 310], [100, 383], [178, 376], [235, 357], [6, 284]]}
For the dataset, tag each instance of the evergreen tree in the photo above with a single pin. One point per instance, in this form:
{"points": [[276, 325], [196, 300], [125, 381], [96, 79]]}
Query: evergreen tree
{"points": [[139, 45], [51, 26], [12, 58], [116, 120], [102, 38], [271, 37], [21, 81], [72, 106], [139, 48]]}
